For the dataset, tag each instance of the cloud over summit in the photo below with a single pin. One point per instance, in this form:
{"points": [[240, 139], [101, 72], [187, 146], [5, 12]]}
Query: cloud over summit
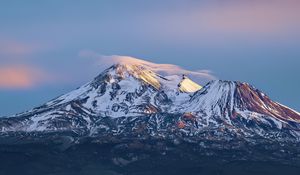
{"points": [[201, 76]]}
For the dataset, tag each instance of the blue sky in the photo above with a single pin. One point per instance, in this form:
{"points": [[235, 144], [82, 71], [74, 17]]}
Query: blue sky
{"points": [[41, 41]]}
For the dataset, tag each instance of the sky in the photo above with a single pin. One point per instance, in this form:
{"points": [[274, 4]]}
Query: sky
{"points": [[48, 48]]}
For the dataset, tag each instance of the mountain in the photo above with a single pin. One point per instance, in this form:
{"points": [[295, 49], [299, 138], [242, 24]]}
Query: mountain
{"points": [[133, 107], [131, 91]]}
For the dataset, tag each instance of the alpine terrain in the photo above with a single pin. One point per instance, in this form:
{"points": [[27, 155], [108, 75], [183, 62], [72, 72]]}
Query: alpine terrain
{"points": [[132, 120]]}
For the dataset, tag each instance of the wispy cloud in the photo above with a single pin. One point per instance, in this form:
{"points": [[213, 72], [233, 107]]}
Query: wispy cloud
{"points": [[237, 18], [12, 48], [202, 76], [254, 16], [16, 77]]}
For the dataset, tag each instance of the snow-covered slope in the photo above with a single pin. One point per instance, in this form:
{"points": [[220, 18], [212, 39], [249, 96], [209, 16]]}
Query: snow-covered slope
{"points": [[128, 90], [227, 98]]}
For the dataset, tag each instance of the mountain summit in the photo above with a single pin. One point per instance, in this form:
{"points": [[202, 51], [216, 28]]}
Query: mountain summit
{"points": [[187, 85]]}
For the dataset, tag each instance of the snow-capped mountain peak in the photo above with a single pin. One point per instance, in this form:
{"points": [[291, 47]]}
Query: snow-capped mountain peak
{"points": [[139, 72], [239, 105], [187, 85]]}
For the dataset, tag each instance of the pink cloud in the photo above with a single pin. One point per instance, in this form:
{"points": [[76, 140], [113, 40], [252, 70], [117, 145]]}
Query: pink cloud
{"points": [[20, 77]]}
